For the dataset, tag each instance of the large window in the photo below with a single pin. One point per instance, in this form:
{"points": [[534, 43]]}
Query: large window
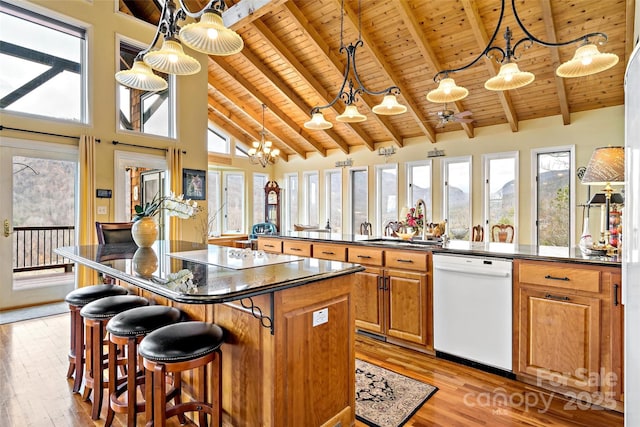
{"points": [[233, 202], [457, 196], [259, 182], [145, 112], [553, 201], [386, 195], [333, 191], [311, 194], [419, 186], [501, 191], [214, 203], [43, 65], [290, 201], [358, 198], [217, 142]]}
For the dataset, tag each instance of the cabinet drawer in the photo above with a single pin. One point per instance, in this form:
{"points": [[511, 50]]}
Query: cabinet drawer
{"points": [[408, 260], [270, 245], [330, 252], [369, 256], [292, 247], [556, 275]]}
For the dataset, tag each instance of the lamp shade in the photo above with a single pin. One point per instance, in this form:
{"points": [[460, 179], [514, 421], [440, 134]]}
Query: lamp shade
{"points": [[351, 115], [210, 36], [141, 77], [606, 166], [447, 91], [587, 60], [318, 122], [171, 59], [509, 77], [601, 199], [389, 106]]}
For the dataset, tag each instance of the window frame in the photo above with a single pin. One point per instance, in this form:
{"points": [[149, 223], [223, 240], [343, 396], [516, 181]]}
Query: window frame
{"points": [[428, 216], [445, 194], [380, 220], [243, 204], [306, 200], [486, 190], [262, 196], [335, 224], [351, 194], [288, 220]]}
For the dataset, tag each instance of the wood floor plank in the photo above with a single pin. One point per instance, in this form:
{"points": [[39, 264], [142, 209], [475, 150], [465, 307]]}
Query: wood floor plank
{"points": [[35, 392]]}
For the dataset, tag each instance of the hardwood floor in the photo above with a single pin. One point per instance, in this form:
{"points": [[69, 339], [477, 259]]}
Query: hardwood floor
{"points": [[34, 391]]}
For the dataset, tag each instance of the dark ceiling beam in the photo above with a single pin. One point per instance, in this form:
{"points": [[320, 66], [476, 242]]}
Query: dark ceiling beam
{"points": [[480, 33], [336, 60]]}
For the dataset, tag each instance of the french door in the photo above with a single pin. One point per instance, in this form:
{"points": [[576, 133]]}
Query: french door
{"points": [[38, 214]]}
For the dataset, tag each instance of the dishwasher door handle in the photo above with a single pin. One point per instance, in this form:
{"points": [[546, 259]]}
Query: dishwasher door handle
{"points": [[474, 271]]}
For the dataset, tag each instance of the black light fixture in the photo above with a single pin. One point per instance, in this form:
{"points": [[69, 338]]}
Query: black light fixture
{"points": [[208, 35], [586, 61], [349, 92]]}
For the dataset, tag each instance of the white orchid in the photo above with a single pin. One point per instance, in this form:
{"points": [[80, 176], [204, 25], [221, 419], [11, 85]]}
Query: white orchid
{"points": [[174, 205]]}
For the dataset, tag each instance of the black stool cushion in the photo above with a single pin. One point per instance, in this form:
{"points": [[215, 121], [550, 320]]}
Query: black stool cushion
{"points": [[142, 320], [181, 342], [82, 296], [107, 307]]}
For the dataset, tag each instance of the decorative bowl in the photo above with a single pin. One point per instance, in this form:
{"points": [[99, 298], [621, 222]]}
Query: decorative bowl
{"points": [[405, 236]]}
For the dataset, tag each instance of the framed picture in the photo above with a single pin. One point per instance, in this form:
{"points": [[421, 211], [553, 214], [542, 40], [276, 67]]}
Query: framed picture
{"points": [[194, 184]]}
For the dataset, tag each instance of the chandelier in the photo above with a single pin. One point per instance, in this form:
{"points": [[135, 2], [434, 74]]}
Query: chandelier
{"points": [[587, 60], [261, 152], [208, 35], [349, 92]]}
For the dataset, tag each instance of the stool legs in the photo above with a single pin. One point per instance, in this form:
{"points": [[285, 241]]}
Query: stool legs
{"points": [[76, 352], [132, 380], [95, 365]]}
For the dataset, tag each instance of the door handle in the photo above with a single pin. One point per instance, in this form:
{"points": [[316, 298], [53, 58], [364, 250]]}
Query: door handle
{"points": [[7, 228]]}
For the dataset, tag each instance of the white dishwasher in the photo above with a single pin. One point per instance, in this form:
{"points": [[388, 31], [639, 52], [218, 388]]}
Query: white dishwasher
{"points": [[472, 309]]}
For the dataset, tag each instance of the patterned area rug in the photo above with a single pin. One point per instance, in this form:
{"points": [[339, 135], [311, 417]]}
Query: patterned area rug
{"points": [[385, 398]]}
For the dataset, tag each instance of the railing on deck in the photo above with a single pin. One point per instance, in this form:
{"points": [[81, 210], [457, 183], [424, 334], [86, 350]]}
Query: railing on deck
{"points": [[33, 247]]}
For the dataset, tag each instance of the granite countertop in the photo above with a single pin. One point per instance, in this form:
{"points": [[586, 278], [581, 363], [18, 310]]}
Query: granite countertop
{"points": [[462, 247], [220, 274]]}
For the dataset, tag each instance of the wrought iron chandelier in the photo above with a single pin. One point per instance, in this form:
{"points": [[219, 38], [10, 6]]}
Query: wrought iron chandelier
{"points": [[262, 151], [349, 92], [208, 35], [587, 60]]}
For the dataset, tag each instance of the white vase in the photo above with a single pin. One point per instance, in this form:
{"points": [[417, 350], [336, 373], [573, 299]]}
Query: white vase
{"points": [[145, 231]]}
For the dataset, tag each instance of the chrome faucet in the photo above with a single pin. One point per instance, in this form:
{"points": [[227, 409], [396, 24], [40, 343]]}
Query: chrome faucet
{"points": [[419, 203]]}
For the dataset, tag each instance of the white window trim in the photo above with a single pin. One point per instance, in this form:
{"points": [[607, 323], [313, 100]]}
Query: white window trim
{"points": [[306, 213], [243, 224], [287, 221], [350, 196], [409, 183], [379, 226], [486, 158], [265, 177], [327, 194], [445, 197], [572, 190]]}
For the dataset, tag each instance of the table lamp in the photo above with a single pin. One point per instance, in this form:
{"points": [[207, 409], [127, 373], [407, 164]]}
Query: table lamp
{"points": [[606, 168]]}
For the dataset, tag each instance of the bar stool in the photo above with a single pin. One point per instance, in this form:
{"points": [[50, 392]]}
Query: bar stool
{"points": [[177, 348], [126, 330], [96, 314], [77, 299]]}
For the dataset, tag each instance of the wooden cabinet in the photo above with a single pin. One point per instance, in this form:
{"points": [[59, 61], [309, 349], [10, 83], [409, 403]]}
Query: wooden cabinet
{"points": [[566, 329], [270, 244], [297, 247], [408, 305], [330, 251]]}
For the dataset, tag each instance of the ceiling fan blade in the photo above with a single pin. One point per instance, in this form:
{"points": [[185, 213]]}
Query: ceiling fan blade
{"points": [[463, 114], [460, 120]]}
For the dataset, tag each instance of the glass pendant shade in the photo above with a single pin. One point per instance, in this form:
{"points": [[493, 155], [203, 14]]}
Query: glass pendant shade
{"points": [[318, 122], [447, 91], [351, 115], [509, 77], [389, 106], [141, 77], [210, 36], [171, 59], [586, 61]]}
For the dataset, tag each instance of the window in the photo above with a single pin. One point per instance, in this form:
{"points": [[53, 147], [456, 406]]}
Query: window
{"points": [[554, 196], [457, 196], [359, 198], [145, 112], [419, 186], [214, 206], [333, 191], [43, 63], [217, 142], [311, 198], [290, 200], [233, 202], [501, 190], [259, 182], [386, 195]]}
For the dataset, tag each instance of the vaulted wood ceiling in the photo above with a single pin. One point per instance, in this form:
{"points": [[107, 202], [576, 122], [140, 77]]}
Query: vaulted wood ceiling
{"points": [[291, 62]]}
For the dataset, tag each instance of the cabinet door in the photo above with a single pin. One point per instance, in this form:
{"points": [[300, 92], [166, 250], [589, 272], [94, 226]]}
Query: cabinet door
{"points": [[368, 298], [560, 337], [407, 302], [617, 337]]}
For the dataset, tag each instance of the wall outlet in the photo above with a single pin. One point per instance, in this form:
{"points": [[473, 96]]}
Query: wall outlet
{"points": [[102, 210], [320, 317]]}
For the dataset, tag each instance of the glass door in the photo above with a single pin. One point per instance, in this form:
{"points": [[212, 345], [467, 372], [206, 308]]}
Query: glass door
{"points": [[37, 210]]}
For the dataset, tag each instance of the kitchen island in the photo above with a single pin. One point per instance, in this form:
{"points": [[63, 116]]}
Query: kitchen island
{"points": [[288, 357]]}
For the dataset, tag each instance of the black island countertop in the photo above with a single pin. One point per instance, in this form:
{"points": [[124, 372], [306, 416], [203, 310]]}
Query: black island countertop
{"points": [[461, 247], [220, 274]]}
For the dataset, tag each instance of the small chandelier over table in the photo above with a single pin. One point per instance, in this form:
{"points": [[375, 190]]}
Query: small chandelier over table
{"points": [[262, 151], [587, 60], [349, 92], [208, 35]]}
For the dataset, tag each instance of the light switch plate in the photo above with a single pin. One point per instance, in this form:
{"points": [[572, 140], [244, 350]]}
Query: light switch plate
{"points": [[320, 317], [102, 210]]}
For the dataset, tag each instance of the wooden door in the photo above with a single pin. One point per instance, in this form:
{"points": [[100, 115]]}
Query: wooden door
{"points": [[406, 300], [368, 295], [560, 337]]}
